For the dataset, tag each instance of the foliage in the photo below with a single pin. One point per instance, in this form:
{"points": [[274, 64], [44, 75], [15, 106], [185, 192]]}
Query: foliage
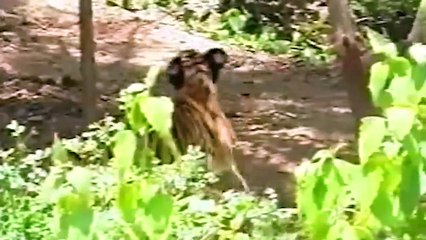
{"points": [[109, 183], [242, 27], [381, 195], [393, 18]]}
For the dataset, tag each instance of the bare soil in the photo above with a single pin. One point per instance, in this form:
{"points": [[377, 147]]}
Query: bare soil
{"points": [[282, 113]]}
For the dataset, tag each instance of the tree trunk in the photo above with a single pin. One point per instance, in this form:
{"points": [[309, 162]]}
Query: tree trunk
{"points": [[355, 71], [87, 61], [417, 33]]}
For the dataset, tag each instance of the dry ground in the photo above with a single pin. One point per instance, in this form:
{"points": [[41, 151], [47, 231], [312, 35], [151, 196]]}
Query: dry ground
{"points": [[282, 114]]}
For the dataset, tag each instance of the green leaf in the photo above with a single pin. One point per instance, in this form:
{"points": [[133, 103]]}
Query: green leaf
{"points": [[158, 213], [380, 44], [341, 230], [368, 185], [391, 149], [409, 195], [364, 233], [152, 76], [403, 91], [158, 111], [320, 191], [149, 189], [136, 118], [127, 199], [372, 133], [402, 87], [400, 66], [124, 150], [52, 182], [80, 179], [400, 120], [237, 22], [418, 53], [379, 73], [419, 77], [382, 208], [59, 152], [237, 222], [76, 216]]}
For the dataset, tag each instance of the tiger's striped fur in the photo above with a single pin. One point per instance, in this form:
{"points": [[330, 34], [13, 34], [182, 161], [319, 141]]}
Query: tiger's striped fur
{"points": [[198, 118]]}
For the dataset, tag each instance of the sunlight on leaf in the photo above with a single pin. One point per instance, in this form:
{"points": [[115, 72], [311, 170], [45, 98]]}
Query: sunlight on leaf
{"points": [[372, 133], [124, 150], [378, 75], [380, 44], [158, 111], [418, 53], [400, 120]]}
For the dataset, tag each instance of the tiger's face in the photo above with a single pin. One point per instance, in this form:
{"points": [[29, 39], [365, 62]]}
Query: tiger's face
{"points": [[195, 74]]}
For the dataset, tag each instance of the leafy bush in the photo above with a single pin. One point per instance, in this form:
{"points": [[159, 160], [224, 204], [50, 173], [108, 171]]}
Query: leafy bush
{"points": [[107, 184], [382, 195]]}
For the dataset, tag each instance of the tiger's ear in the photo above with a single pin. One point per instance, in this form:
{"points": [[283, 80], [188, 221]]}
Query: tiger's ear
{"points": [[216, 59], [174, 72]]}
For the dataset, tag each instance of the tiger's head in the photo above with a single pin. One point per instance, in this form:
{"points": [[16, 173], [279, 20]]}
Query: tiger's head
{"points": [[194, 74]]}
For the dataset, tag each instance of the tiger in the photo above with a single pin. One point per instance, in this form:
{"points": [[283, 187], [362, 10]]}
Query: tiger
{"points": [[198, 119]]}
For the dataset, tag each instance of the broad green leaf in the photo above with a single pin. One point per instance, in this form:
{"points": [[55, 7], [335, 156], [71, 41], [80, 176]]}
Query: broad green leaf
{"points": [[368, 185], [242, 236], [148, 190], [158, 111], [380, 44], [80, 179], [364, 233], [75, 213], [419, 76], [418, 53], [59, 152], [400, 66], [423, 183], [413, 148], [421, 111], [124, 150], [391, 149], [237, 222], [341, 230], [347, 170], [403, 91], [379, 73], [382, 208], [127, 200], [306, 175], [152, 76], [237, 23], [157, 219], [400, 120], [52, 182], [136, 118], [410, 187], [320, 226], [391, 175], [422, 149], [320, 191], [349, 232], [372, 133]]}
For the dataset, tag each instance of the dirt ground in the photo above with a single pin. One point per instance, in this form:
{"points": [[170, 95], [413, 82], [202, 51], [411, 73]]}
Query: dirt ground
{"points": [[282, 113]]}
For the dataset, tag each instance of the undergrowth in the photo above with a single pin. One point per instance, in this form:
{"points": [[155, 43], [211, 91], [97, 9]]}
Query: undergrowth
{"points": [[116, 182], [104, 184]]}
